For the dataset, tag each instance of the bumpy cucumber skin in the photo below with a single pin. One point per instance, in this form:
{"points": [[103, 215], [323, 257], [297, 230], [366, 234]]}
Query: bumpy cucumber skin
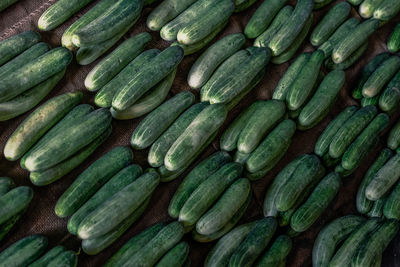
{"points": [[393, 44], [17, 44], [277, 253], [390, 98]]}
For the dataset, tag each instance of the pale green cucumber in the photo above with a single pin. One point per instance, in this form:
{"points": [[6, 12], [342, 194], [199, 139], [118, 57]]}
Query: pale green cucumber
{"points": [[16, 44]]}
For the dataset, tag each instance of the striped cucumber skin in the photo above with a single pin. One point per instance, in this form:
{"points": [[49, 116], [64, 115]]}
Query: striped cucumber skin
{"points": [[262, 18], [14, 202], [117, 208], [209, 120], [330, 237], [225, 208], [349, 130], [255, 242], [114, 20], [350, 43], [387, 10], [289, 31], [90, 180], [330, 22], [391, 209], [377, 208], [191, 182], [6, 184], [272, 148], [165, 12], [315, 205], [226, 246], [38, 123], [60, 12], [381, 76], [301, 177], [302, 86], [67, 258], [120, 180], [113, 63], [277, 253], [393, 44], [106, 94], [390, 98], [34, 72], [48, 257], [352, 155], [207, 192], [393, 140], [216, 54], [160, 147], [158, 121], [323, 99], [147, 77], [280, 19], [290, 76], [376, 243], [176, 256], [349, 61], [346, 252], [157, 247], [367, 8], [384, 179], [15, 45], [24, 251], [257, 126], [363, 204]]}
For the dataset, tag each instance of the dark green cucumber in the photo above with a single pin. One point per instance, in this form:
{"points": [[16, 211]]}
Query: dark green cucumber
{"points": [[6, 184], [113, 63], [158, 121], [46, 258], [393, 44], [370, 101], [262, 18], [15, 45], [390, 98], [393, 140], [391, 209], [90, 180], [14, 202], [330, 237], [67, 258], [241, 5], [321, 3], [277, 253], [386, 10], [176, 256], [349, 61], [255, 242], [38, 123], [377, 208], [8, 225], [367, 7], [328, 161], [323, 99]]}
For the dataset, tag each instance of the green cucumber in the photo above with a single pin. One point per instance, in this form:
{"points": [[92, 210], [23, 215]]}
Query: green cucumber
{"points": [[113, 63], [49, 256], [367, 8], [349, 61], [6, 3], [377, 208], [370, 101], [329, 161], [277, 253], [321, 4], [241, 5], [67, 258], [262, 18], [387, 10], [15, 45], [331, 236], [8, 225], [240, 157], [323, 99], [390, 98], [393, 140], [391, 209], [6, 184], [209, 120], [14, 202], [355, 2], [38, 123], [90, 180], [206, 64], [393, 44], [176, 256]]}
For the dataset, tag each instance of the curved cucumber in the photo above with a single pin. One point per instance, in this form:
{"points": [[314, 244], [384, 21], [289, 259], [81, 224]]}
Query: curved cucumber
{"points": [[277, 253], [390, 98], [15, 45], [393, 44], [48, 257], [176, 256], [14, 202]]}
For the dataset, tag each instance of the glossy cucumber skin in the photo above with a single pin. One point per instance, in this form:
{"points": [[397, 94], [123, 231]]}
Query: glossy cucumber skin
{"points": [[277, 253], [46, 258], [176, 256], [393, 44], [90, 180], [66, 258], [387, 10], [390, 97], [14, 202], [17, 44], [393, 140]]}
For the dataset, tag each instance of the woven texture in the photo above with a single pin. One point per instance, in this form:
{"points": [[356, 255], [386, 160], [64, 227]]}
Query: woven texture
{"points": [[40, 217]]}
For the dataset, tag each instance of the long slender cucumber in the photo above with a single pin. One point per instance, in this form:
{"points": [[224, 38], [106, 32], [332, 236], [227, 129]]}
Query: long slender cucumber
{"points": [[17, 44]]}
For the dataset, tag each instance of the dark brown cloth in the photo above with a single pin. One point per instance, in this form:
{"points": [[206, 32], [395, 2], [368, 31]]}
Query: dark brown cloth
{"points": [[40, 217]]}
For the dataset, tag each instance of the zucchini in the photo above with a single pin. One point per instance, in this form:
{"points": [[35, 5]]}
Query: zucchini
{"points": [[14, 202], [49, 256], [6, 184], [15, 45], [91, 179], [393, 140], [393, 44], [176, 256], [349, 61], [387, 10], [390, 98], [66, 258], [277, 253], [367, 8]]}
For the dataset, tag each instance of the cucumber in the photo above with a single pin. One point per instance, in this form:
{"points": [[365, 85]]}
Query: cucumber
{"points": [[377, 208], [384, 179], [6, 184], [149, 75], [393, 140], [351, 42], [387, 10], [373, 101], [330, 162], [198, 175], [158, 121], [206, 193], [225, 208], [321, 4], [59, 12], [24, 251], [317, 202], [241, 5], [349, 130], [14, 202], [209, 120], [330, 237], [160, 147], [352, 155], [34, 72], [176, 256], [91, 179], [363, 204], [367, 8], [66, 258], [289, 31], [256, 128], [117, 208], [277, 253], [262, 18], [38, 123], [240, 157], [355, 2], [391, 209], [113, 186], [349, 61], [255, 242], [206, 64], [390, 98], [46, 258], [8, 225], [113, 63], [393, 43], [323, 99], [272, 148], [376, 243], [15, 45], [165, 12]]}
